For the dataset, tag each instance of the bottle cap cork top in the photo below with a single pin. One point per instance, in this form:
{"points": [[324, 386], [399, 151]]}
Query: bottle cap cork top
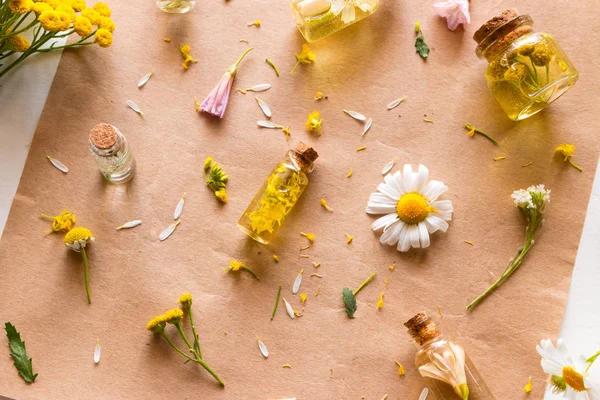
{"points": [[422, 328], [103, 136], [495, 23], [308, 153]]}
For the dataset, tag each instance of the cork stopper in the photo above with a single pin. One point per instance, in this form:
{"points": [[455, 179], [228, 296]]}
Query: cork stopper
{"points": [[305, 156], [495, 23], [103, 136], [422, 328]]}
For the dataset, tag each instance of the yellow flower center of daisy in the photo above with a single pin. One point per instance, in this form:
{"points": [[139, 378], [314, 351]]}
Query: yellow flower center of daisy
{"points": [[412, 208], [573, 379], [77, 234]]}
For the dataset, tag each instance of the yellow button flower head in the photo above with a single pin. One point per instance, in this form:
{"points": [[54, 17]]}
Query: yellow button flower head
{"points": [[103, 37], [173, 316], [78, 5], [107, 23], [50, 21], [66, 8], [51, 3], [313, 123], [567, 150], [305, 57], [102, 9], [156, 324], [20, 6], [92, 15], [83, 26], [65, 20], [39, 8], [187, 57], [62, 222], [17, 43], [78, 238], [186, 300]]}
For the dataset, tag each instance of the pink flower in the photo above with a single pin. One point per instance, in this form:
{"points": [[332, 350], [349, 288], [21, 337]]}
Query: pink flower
{"points": [[455, 11], [216, 102]]}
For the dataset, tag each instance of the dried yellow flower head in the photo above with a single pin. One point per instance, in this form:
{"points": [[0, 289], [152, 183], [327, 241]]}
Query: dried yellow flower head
{"points": [[62, 222], [314, 122], [173, 316], [186, 300]]}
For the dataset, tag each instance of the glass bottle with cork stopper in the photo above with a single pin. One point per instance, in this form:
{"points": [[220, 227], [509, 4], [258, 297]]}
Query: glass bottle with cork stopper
{"points": [[112, 153], [317, 19], [278, 195], [442, 361], [527, 70]]}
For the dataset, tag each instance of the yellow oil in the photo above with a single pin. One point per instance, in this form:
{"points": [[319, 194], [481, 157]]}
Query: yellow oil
{"points": [[319, 26], [276, 198], [530, 75]]}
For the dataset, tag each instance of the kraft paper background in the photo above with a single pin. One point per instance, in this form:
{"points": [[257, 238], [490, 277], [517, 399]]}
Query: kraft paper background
{"points": [[135, 277]]}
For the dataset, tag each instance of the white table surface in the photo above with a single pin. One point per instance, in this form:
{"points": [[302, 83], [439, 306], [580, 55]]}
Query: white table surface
{"points": [[24, 93]]}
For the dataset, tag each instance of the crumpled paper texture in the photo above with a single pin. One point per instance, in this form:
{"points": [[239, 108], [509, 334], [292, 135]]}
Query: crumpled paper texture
{"points": [[134, 277]]}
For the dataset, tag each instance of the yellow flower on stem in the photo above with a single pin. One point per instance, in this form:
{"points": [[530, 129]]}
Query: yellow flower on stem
{"points": [[65, 20], [17, 43], [102, 9], [313, 123], [305, 57], [20, 6], [64, 7], [107, 23], [78, 5], [83, 26], [567, 150], [185, 300], [92, 15], [235, 266], [50, 21], [76, 239], [39, 8], [187, 57], [62, 222], [156, 324], [103, 37], [173, 316]]}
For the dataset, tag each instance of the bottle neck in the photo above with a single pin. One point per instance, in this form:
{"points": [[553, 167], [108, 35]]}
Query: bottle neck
{"points": [[499, 40], [300, 163]]}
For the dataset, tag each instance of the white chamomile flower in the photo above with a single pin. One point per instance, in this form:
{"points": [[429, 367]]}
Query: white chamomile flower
{"points": [[347, 8], [567, 375], [412, 210], [536, 196]]}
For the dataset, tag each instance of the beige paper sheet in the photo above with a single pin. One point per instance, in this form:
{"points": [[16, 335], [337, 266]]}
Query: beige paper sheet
{"points": [[135, 277]]}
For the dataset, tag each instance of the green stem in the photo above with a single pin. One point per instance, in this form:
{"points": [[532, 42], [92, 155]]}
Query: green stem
{"points": [[201, 362], [574, 165], [480, 132], [537, 78], [19, 31], [64, 47], [369, 279], [249, 270], [185, 339], [276, 303], [547, 73], [86, 275], [294, 69], [196, 342], [242, 57], [590, 361]]}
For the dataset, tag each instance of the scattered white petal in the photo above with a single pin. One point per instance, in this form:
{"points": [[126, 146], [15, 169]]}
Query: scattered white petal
{"points": [[396, 103], [263, 348], [97, 352], [367, 126], [297, 282], [268, 124], [424, 394], [388, 167], [355, 115], [134, 107], [59, 166], [179, 208], [259, 88], [264, 107], [167, 232], [288, 308], [130, 224], [145, 79]]}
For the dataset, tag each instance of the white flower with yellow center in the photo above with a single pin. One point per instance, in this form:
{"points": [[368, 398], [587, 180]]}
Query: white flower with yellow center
{"points": [[348, 8], [567, 376], [411, 207]]}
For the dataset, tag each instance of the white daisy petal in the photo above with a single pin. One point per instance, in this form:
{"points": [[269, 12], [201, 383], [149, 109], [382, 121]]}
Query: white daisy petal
{"points": [[421, 178], [391, 235], [435, 223], [404, 240], [381, 198], [389, 191], [384, 221], [434, 189], [446, 216], [414, 236], [336, 8], [407, 176], [423, 235], [442, 205], [398, 182], [348, 15], [374, 208]]}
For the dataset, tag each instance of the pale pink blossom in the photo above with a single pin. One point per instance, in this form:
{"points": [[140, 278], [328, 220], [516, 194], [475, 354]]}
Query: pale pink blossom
{"points": [[216, 102], [456, 12]]}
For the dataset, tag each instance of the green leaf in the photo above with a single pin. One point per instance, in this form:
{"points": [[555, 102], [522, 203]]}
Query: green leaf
{"points": [[19, 353], [422, 47], [349, 302]]}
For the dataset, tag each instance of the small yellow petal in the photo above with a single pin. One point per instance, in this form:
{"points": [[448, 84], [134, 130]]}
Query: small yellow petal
{"points": [[325, 206], [392, 267], [380, 302], [400, 368], [361, 148], [349, 238], [276, 257], [528, 386], [349, 174], [309, 236], [303, 297]]}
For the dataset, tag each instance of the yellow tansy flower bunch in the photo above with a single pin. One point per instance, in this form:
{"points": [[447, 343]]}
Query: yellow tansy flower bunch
{"points": [[216, 179], [567, 150], [62, 222], [235, 266], [314, 122], [77, 239], [56, 18], [174, 317], [306, 56]]}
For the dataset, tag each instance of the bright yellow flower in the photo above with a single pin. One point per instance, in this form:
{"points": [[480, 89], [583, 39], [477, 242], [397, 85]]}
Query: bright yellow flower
{"points": [[50, 21], [103, 37], [62, 222], [319, 96], [313, 123], [68, 9], [102, 9], [309, 236], [305, 57], [236, 266], [156, 324], [78, 5], [107, 23], [83, 26], [17, 43], [173, 316], [187, 57], [186, 300], [39, 8], [78, 238], [222, 195], [51, 3], [65, 20], [20, 6], [567, 150], [92, 15]]}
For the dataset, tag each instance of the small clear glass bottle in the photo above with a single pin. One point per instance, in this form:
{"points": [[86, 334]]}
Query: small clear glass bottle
{"points": [[176, 6], [442, 361], [527, 70], [112, 153], [278, 195], [317, 19]]}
